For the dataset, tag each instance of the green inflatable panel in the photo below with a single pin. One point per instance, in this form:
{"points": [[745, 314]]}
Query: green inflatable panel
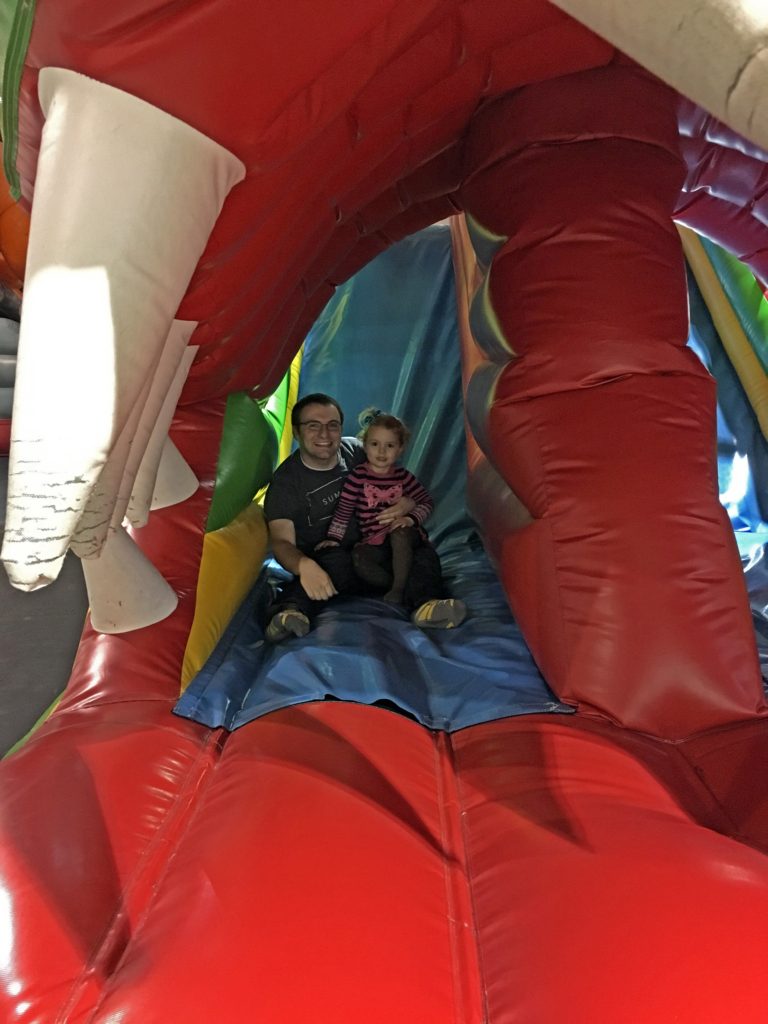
{"points": [[16, 17], [249, 445], [276, 406], [745, 296]]}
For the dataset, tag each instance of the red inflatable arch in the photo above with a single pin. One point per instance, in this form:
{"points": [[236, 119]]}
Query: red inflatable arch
{"points": [[332, 863]]}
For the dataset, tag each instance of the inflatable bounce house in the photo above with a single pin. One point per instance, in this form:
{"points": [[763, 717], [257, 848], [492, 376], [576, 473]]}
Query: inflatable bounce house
{"points": [[492, 218]]}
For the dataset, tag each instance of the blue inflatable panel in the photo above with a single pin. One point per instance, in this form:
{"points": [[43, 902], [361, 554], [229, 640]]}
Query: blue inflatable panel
{"points": [[756, 575], [738, 430], [389, 338], [363, 650]]}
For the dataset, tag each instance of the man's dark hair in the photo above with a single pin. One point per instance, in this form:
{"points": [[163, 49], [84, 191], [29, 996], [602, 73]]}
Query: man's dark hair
{"points": [[314, 399]]}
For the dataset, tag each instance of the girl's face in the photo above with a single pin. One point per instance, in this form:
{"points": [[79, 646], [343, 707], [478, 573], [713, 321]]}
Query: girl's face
{"points": [[383, 448]]}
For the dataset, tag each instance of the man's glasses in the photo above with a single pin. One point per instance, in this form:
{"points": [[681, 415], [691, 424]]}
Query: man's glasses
{"points": [[316, 427]]}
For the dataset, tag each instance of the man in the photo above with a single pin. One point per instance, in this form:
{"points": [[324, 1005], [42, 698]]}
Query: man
{"points": [[299, 505]]}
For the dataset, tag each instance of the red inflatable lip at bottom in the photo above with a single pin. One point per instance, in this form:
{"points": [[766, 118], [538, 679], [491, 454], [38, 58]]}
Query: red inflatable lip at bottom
{"points": [[5, 437]]}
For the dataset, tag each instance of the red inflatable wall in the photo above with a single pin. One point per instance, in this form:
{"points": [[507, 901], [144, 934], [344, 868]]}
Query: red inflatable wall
{"points": [[337, 863]]}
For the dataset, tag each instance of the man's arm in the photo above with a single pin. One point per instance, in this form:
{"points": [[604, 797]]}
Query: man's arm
{"points": [[315, 581]]}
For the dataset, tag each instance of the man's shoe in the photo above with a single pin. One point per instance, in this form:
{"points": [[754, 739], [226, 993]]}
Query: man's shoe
{"points": [[440, 614], [289, 622]]}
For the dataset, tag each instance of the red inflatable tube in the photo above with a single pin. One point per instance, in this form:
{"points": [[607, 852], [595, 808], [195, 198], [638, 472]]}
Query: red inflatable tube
{"points": [[603, 424]]}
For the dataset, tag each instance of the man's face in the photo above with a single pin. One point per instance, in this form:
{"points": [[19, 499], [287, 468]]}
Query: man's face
{"points": [[319, 435]]}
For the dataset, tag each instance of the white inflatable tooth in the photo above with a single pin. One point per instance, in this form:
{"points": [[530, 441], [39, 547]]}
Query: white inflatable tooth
{"points": [[715, 52], [98, 513], [125, 199], [175, 480], [162, 394], [163, 470], [125, 590]]}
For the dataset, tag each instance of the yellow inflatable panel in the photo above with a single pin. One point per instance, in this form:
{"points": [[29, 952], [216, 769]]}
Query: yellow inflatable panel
{"points": [[232, 559], [740, 352]]}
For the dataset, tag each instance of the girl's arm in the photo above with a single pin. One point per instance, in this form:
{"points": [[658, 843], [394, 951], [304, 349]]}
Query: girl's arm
{"points": [[423, 506]]}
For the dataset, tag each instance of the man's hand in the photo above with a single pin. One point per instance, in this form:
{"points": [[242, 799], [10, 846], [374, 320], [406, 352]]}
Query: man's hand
{"points": [[397, 511], [316, 582]]}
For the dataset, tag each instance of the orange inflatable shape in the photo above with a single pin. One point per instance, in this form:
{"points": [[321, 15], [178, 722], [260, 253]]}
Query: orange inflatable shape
{"points": [[14, 236]]}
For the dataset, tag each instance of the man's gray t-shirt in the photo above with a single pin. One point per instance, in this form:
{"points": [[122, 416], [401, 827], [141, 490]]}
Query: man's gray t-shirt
{"points": [[308, 497]]}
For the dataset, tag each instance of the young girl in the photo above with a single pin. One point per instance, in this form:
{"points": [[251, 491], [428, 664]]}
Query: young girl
{"points": [[376, 484]]}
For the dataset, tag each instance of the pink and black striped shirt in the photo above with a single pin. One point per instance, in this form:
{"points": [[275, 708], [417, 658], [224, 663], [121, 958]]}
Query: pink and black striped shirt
{"points": [[366, 493]]}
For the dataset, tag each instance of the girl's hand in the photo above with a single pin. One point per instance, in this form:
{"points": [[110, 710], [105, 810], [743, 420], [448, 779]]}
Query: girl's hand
{"points": [[326, 544], [400, 522], [400, 508]]}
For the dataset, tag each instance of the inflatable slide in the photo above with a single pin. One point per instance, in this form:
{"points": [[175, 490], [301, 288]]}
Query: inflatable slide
{"points": [[554, 813]]}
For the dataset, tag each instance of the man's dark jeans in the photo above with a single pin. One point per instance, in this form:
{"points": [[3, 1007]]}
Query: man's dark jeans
{"points": [[424, 582]]}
